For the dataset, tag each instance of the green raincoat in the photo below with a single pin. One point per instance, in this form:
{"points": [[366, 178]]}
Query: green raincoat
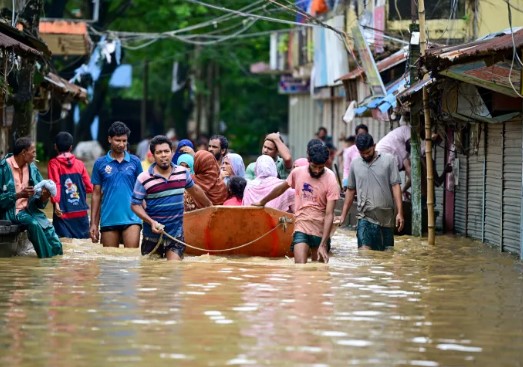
{"points": [[39, 230]]}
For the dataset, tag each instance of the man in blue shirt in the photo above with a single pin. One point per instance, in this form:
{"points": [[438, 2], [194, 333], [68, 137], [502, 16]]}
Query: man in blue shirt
{"points": [[113, 178], [162, 188]]}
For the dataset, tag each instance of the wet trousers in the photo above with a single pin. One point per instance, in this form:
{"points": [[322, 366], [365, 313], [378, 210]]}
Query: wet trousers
{"points": [[45, 241]]}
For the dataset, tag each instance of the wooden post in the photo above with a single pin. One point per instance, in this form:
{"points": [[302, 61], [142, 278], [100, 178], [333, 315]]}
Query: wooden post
{"points": [[415, 174], [428, 141]]}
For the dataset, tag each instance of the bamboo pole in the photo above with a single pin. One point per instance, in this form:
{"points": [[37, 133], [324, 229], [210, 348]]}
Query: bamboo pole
{"points": [[428, 141]]}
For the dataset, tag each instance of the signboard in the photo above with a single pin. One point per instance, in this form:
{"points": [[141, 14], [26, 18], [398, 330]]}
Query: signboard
{"points": [[290, 85], [367, 62], [379, 25]]}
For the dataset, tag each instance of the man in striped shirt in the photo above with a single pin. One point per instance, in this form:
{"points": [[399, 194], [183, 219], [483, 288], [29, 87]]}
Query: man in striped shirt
{"points": [[161, 189]]}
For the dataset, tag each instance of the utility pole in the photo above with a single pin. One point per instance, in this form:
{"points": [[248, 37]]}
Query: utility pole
{"points": [[143, 112], [415, 175], [428, 138]]}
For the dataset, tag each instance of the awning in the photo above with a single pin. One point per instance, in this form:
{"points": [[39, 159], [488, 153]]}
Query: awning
{"points": [[63, 87], [9, 43], [501, 77], [21, 42], [414, 88], [383, 103]]}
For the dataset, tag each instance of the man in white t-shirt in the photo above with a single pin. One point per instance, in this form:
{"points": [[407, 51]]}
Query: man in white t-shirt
{"points": [[316, 193]]}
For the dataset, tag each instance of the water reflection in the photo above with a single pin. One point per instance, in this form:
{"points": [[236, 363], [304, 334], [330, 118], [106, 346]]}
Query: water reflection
{"points": [[459, 303]]}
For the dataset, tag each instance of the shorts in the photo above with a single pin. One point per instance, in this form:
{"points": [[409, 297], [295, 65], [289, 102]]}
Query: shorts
{"points": [[71, 227], [378, 238], [148, 244], [119, 228], [309, 239]]}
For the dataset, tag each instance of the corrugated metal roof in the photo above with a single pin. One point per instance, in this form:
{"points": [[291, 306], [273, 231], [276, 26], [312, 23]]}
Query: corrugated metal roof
{"points": [[383, 103], [501, 77], [414, 88], [65, 87], [476, 48], [385, 64], [9, 43]]}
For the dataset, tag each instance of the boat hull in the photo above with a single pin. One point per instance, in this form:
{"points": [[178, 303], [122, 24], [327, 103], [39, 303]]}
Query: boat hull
{"points": [[225, 227]]}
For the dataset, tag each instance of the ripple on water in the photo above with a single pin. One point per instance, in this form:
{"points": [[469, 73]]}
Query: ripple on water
{"points": [[458, 303]]}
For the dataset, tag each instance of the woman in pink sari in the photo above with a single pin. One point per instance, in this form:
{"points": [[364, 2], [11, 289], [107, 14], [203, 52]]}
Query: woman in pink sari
{"points": [[266, 179]]}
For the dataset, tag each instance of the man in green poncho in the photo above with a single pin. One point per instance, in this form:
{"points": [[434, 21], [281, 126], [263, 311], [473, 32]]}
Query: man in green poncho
{"points": [[18, 202]]}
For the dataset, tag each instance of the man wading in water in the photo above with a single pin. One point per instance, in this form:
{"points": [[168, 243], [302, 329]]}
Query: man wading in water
{"points": [[161, 187], [316, 193]]}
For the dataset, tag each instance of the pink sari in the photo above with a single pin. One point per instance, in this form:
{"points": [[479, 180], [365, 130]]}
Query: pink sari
{"points": [[267, 179]]}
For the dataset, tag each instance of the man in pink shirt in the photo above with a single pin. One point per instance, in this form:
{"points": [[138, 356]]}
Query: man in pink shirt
{"points": [[352, 153], [316, 194]]}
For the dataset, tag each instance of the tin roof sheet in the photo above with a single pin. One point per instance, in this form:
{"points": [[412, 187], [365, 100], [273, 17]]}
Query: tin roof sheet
{"points": [[482, 47]]}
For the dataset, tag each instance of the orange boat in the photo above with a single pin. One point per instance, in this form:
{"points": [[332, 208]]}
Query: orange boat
{"points": [[229, 227]]}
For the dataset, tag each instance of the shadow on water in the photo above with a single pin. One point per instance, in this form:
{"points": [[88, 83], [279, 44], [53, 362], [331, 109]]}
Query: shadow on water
{"points": [[456, 304]]}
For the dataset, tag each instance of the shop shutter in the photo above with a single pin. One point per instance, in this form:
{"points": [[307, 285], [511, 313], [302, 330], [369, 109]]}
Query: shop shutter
{"points": [[511, 218], [494, 184], [304, 120], [439, 161], [476, 183], [460, 196]]}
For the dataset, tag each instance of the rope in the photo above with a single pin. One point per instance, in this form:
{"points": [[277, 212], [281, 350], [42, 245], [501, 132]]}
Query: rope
{"points": [[282, 222]]}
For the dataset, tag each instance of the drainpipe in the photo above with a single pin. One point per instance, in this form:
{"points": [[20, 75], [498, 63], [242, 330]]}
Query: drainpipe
{"points": [[521, 201], [484, 197], [475, 19], [484, 205], [96, 10], [502, 188]]}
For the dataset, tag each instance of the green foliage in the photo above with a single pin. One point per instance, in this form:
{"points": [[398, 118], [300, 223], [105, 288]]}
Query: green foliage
{"points": [[41, 152], [249, 104]]}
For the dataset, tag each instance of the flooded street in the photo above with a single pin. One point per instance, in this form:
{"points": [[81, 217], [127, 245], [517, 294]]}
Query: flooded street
{"points": [[457, 304]]}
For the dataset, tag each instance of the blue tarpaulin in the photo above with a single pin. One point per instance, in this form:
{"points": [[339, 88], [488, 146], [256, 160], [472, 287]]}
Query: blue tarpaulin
{"points": [[383, 103]]}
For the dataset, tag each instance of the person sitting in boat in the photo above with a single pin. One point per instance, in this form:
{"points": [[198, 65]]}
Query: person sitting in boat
{"points": [[161, 188], [236, 189], [207, 176], [274, 147], [300, 162], [316, 193], [185, 146], [187, 161], [232, 165], [266, 180]]}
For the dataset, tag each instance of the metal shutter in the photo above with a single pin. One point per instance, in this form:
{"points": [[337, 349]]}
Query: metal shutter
{"points": [[304, 117], [439, 161], [512, 187], [460, 195], [494, 187], [476, 184]]}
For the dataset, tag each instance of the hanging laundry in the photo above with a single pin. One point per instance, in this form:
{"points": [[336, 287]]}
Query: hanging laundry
{"points": [[319, 7]]}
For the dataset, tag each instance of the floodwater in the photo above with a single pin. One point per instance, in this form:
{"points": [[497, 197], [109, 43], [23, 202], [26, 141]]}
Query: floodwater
{"points": [[457, 304]]}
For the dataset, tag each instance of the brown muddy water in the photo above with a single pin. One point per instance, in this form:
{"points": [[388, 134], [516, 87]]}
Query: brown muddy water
{"points": [[459, 303]]}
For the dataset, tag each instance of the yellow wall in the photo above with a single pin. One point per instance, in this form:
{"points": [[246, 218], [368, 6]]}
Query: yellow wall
{"points": [[494, 15]]}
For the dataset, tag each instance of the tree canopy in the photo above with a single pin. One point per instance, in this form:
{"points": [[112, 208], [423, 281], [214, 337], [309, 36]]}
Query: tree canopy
{"points": [[249, 105]]}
